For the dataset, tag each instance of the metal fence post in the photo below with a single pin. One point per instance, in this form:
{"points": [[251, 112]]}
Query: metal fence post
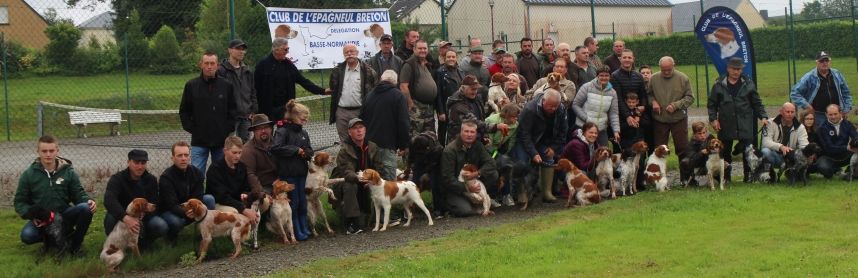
{"points": [[791, 22], [444, 20], [40, 112], [127, 81], [593, 16], [6, 85], [854, 35], [705, 60], [231, 19]]}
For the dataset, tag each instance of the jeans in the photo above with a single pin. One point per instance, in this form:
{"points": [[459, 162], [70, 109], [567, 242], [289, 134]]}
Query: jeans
{"points": [[773, 157], [76, 219], [175, 222], [200, 156], [153, 226], [298, 197], [388, 158], [828, 166], [241, 128]]}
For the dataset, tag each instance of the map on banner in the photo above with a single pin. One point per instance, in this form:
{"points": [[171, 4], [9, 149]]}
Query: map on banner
{"points": [[316, 37]]}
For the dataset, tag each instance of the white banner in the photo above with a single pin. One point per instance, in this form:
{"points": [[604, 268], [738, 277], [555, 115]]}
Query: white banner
{"points": [[316, 37]]}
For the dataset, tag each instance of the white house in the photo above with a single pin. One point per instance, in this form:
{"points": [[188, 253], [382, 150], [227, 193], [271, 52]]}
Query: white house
{"points": [[686, 14]]}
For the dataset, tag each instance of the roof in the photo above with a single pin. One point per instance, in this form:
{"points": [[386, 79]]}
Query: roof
{"points": [[100, 21], [402, 8], [685, 15], [624, 3]]}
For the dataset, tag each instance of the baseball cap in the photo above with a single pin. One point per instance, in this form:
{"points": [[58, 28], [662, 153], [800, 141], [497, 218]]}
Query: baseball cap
{"points": [[736, 62], [386, 37], [444, 43], [499, 50], [355, 121], [236, 43], [822, 55], [138, 155], [470, 80]]}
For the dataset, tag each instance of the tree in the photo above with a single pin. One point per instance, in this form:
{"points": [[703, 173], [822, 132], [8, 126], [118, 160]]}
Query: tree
{"points": [[812, 10], [137, 44], [63, 38], [836, 8], [179, 15], [165, 45]]}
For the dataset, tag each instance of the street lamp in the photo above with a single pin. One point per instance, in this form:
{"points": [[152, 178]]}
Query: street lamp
{"points": [[492, 11]]}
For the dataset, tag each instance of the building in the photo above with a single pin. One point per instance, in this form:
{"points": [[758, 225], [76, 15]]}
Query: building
{"points": [[98, 27], [685, 15], [19, 22], [423, 12]]}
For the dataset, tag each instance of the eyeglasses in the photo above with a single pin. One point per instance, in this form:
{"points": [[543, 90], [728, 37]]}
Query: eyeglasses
{"points": [[809, 119]]}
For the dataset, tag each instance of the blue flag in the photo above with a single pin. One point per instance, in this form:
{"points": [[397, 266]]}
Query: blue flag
{"points": [[724, 35]]}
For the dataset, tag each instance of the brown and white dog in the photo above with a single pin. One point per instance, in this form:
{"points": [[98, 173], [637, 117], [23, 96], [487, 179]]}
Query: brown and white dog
{"points": [[580, 186], [479, 198], [317, 186], [280, 213], [215, 223], [715, 165], [656, 168], [629, 168], [121, 237], [387, 193], [285, 31], [605, 171]]}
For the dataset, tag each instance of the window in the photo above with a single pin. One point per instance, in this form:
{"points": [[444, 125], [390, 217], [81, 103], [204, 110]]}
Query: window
{"points": [[4, 15]]}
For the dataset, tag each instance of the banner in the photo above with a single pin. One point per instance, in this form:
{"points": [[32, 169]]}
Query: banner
{"points": [[724, 35], [316, 37]]}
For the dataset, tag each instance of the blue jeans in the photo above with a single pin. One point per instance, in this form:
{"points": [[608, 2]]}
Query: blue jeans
{"points": [[200, 156], [827, 166], [773, 157], [388, 158], [76, 218], [175, 222], [241, 128]]}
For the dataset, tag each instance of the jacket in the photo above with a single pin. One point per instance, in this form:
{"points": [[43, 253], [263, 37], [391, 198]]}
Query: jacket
{"points": [[208, 111], [368, 79], [694, 154], [455, 156], [529, 67], [348, 164], [448, 81], [177, 186], [774, 135], [394, 63], [736, 114], [227, 185], [403, 52], [275, 85], [580, 153], [567, 90], [261, 169], [386, 117], [803, 93], [121, 190], [625, 82], [244, 90], [612, 61], [498, 139], [833, 143], [597, 105], [54, 191], [675, 90], [531, 127], [288, 139]]}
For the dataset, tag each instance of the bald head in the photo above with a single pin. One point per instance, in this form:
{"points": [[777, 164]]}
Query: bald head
{"points": [[787, 112], [832, 112], [666, 64]]}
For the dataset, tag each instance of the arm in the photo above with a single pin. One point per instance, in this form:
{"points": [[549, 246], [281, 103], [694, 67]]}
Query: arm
{"points": [[687, 98], [76, 192], [560, 118], [23, 198], [757, 103], [448, 172], [613, 114], [306, 83], [404, 79], [248, 158], [111, 198], [218, 183], [578, 106], [403, 124], [797, 95], [524, 136], [769, 142], [280, 148], [186, 109], [345, 167], [169, 201], [802, 139], [844, 92], [713, 103]]}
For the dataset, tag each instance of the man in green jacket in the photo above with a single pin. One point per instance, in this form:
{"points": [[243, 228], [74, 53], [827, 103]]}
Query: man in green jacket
{"points": [[466, 149], [51, 182], [670, 93]]}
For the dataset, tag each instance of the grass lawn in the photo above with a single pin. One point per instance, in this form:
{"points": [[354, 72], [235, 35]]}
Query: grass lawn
{"points": [[756, 230]]}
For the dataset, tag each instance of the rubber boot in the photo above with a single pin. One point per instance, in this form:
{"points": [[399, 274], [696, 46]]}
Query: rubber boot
{"points": [[305, 225], [546, 180], [296, 224]]}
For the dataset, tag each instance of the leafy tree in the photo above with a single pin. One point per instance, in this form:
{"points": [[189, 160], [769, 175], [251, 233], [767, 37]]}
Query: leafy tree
{"points": [[63, 38], [812, 10], [179, 15], [835, 8], [137, 44], [166, 49]]}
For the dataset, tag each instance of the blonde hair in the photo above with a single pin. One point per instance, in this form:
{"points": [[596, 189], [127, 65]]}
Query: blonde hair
{"points": [[698, 126], [232, 141], [295, 110]]}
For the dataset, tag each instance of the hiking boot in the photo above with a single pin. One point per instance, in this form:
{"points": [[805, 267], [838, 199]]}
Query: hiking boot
{"points": [[507, 200], [495, 203]]}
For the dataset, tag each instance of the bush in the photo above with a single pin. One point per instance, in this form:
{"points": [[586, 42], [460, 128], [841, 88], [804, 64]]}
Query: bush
{"points": [[136, 43], [17, 60], [165, 48], [63, 38]]}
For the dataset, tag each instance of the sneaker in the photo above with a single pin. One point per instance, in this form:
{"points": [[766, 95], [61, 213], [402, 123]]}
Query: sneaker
{"points": [[507, 200], [395, 222], [495, 203], [351, 230]]}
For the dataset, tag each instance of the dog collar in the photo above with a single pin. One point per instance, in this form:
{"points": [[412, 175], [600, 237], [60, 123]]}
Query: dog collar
{"points": [[51, 220], [204, 217]]}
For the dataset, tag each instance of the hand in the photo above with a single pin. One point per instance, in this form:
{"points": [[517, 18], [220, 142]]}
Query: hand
{"points": [[328, 91], [133, 223], [655, 107], [472, 175], [442, 117], [473, 187], [785, 149], [252, 215], [189, 214], [537, 159], [549, 152], [764, 123], [503, 128], [244, 197], [716, 125], [641, 109], [670, 108], [92, 205], [616, 137], [704, 151], [632, 121], [301, 152]]}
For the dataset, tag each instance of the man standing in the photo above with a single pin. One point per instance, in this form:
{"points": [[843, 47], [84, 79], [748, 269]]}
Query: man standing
{"points": [[261, 169], [123, 187], [733, 106], [613, 61], [417, 83], [52, 183], [626, 80], [408, 44], [783, 134], [821, 87], [475, 66], [542, 131], [473, 43], [448, 77], [670, 94], [353, 203], [384, 59], [547, 54], [504, 61], [234, 70], [275, 78], [528, 64], [592, 46], [387, 122], [584, 69], [177, 185], [351, 81], [443, 46], [466, 149], [208, 112], [834, 137]]}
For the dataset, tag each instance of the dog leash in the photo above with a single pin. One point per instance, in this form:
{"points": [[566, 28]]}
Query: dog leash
{"points": [[328, 147]]}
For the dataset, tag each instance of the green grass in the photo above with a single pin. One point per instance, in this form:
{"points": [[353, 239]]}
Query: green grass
{"points": [[756, 230]]}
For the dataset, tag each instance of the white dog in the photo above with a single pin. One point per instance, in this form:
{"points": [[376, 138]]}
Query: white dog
{"points": [[482, 197], [386, 193], [656, 168]]}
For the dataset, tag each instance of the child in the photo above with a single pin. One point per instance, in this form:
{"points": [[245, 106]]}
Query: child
{"points": [[633, 134], [697, 154]]}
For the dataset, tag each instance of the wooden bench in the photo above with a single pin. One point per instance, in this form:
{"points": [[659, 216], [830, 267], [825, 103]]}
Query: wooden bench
{"points": [[83, 118]]}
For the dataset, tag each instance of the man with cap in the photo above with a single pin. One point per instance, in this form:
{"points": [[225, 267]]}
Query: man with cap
{"points": [[261, 168], [472, 43], [178, 184], [476, 68], [350, 81], [126, 185], [467, 104], [820, 87], [275, 78], [443, 46], [234, 70], [385, 59], [387, 122], [505, 64], [734, 105], [353, 203]]}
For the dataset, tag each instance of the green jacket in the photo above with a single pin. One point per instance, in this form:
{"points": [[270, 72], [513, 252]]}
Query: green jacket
{"points": [[675, 90], [736, 114], [57, 191], [455, 156]]}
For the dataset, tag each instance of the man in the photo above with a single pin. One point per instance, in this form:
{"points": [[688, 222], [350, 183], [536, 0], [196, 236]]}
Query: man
{"points": [[542, 131], [583, 68], [733, 105], [613, 61], [387, 122], [351, 81], [567, 87], [783, 134], [275, 78], [417, 83], [564, 52], [353, 203], [448, 78], [821, 87], [208, 112], [547, 54], [528, 64], [261, 168], [123, 187], [669, 91], [384, 59], [476, 68], [227, 181], [51, 182], [177, 185], [472, 43], [592, 46], [834, 137], [497, 51], [626, 80], [443, 46], [466, 149], [505, 61], [466, 104], [234, 70], [408, 45]]}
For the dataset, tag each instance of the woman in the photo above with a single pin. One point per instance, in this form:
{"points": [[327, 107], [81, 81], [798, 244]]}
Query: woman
{"points": [[291, 149], [582, 147], [808, 119], [597, 102], [501, 144], [510, 92]]}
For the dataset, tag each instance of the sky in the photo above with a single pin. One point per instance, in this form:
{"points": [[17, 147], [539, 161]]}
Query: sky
{"points": [[775, 7]]}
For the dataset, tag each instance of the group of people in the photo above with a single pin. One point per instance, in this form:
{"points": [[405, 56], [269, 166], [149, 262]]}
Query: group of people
{"points": [[512, 115]]}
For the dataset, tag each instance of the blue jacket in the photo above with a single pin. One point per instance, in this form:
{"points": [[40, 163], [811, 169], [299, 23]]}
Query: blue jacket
{"points": [[804, 91], [834, 144]]}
